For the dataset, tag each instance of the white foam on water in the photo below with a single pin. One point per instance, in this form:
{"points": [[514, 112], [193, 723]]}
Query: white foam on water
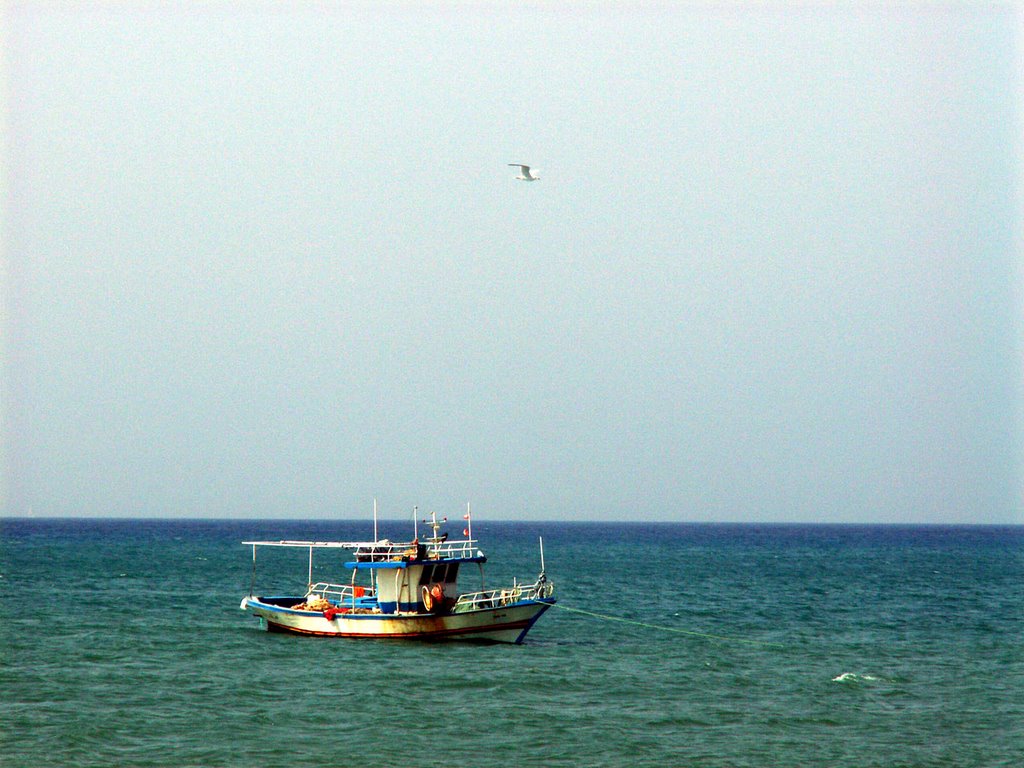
{"points": [[852, 677]]}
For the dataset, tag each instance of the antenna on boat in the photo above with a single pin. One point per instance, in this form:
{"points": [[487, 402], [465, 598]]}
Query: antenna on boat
{"points": [[468, 517], [436, 526], [375, 520], [415, 523], [541, 554]]}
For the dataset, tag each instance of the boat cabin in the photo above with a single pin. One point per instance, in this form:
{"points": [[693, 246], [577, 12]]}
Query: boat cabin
{"points": [[416, 577]]}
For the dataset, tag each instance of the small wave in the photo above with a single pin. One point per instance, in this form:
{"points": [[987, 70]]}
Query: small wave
{"points": [[853, 677]]}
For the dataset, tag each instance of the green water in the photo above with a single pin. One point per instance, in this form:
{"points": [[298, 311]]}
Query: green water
{"points": [[123, 645]]}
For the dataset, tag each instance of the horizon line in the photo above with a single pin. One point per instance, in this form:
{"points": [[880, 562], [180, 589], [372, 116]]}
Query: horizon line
{"points": [[154, 519]]}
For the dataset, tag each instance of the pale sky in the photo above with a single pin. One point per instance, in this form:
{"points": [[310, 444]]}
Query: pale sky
{"points": [[269, 260]]}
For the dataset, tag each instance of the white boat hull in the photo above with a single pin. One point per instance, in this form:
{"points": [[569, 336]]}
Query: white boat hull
{"points": [[505, 624]]}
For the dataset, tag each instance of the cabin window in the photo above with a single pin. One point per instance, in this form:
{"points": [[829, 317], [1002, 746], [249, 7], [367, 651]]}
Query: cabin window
{"points": [[435, 572], [439, 572]]}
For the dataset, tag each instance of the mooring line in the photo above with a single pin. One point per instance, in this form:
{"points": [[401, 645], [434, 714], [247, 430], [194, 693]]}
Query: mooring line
{"points": [[663, 628]]}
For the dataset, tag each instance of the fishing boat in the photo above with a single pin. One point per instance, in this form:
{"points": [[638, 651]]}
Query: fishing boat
{"points": [[404, 590]]}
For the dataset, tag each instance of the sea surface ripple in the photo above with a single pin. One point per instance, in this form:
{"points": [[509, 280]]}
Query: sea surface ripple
{"points": [[725, 645]]}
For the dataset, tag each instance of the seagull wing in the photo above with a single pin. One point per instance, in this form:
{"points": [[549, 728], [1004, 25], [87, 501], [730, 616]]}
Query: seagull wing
{"points": [[526, 175]]}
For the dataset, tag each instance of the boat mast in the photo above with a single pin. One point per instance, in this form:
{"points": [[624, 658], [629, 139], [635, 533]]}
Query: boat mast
{"points": [[373, 571], [252, 583], [309, 585], [435, 525]]}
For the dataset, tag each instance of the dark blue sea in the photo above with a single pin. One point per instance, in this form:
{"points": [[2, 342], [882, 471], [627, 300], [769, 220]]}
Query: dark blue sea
{"points": [[121, 644]]}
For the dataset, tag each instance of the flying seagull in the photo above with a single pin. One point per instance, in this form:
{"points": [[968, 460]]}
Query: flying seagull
{"points": [[525, 175]]}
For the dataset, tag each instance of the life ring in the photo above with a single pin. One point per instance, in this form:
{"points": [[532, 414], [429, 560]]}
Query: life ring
{"points": [[433, 596], [428, 599]]}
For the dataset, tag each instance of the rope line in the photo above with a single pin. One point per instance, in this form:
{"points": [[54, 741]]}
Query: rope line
{"points": [[691, 633]]}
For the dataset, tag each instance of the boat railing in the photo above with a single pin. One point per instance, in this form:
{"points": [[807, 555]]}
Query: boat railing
{"points": [[339, 593], [496, 598], [378, 552], [465, 548]]}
